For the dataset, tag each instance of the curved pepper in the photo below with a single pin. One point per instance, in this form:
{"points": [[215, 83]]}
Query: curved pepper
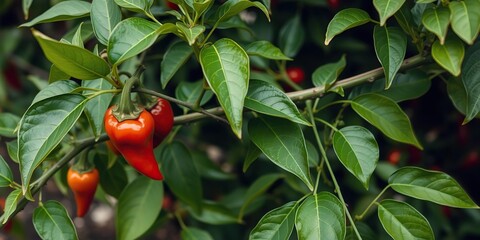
{"points": [[162, 113], [134, 140], [83, 186]]}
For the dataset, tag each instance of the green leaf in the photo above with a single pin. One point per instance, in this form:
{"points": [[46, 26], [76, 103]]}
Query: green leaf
{"points": [[8, 123], [138, 207], [11, 204], [42, 128], [6, 176], [327, 74], [56, 74], [405, 86], [55, 89], [26, 6], [190, 92], [321, 216], [208, 169], [175, 57], [449, 55], [253, 152], [51, 221], [215, 214], [433, 186], [131, 37], [403, 221], [105, 15], [260, 186], [200, 6], [390, 47], [77, 37], [113, 179], [344, 20], [457, 93], [267, 50], [471, 80], [62, 11], [190, 233], [141, 6], [283, 143], [387, 116], [181, 174], [267, 99], [12, 148], [386, 8], [276, 224], [405, 19], [292, 36], [96, 107], [233, 7], [365, 232], [465, 19], [436, 20], [72, 60], [226, 68], [358, 151], [190, 33]]}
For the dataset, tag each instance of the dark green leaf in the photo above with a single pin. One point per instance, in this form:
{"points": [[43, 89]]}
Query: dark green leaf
{"points": [[436, 20], [390, 47], [449, 55], [6, 176], [55, 89], [253, 152], [358, 151], [387, 116], [57, 74], [190, 233], [457, 93], [257, 188], [327, 74], [43, 126], [226, 68], [267, 50], [181, 174], [276, 224], [283, 143], [72, 60], [403, 221], [405, 19], [465, 19], [8, 123], [267, 99], [321, 216], [215, 214], [437, 187], [113, 179], [386, 8], [105, 15], [365, 232], [176, 56], [208, 169], [190, 92], [61, 11], [471, 80], [96, 107], [292, 36], [200, 6], [51, 221], [12, 148], [344, 20], [138, 207]]}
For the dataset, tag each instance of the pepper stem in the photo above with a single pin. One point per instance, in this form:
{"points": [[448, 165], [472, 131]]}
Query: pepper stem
{"points": [[83, 165], [127, 110], [148, 101]]}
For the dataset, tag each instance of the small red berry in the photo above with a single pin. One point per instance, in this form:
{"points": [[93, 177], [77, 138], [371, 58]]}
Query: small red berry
{"points": [[394, 156], [171, 5], [334, 4], [296, 74]]}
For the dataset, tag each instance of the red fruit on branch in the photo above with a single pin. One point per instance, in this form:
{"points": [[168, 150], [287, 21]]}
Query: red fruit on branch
{"points": [[83, 185], [162, 114], [296, 74]]}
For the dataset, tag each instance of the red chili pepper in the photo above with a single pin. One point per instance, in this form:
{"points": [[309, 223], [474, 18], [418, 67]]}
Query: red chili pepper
{"points": [[83, 185], [162, 114], [134, 140]]}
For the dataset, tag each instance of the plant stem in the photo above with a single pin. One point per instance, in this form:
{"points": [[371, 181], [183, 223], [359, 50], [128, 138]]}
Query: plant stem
{"points": [[360, 217], [334, 179]]}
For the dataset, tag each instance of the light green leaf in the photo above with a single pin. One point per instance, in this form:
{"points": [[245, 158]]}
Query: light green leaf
{"points": [[321, 216], [141, 6], [387, 116], [138, 207], [200, 6], [6, 176], [77, 37], [403, 221], [386, 8], [11, 204], [96, 107], [283, 143], [433, 186], [276, 224], [267, 50], [26, 6], [261, 185], [55, 89], [214, 213], [61, 11], [190, 233], [72, 60], [436, 20], [190, 92], [8, 123], [51, 221], [327, 74], [449, 55], [175, 57], [190, 33], [226, 68], [42, 128], [390, 47], [267, 99], [344, 20], [465, 19], [12, 149], [292, 36], [105, 15], [181, 174], [56, 74], [471, 80], [233, 7], [358, 151]]}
